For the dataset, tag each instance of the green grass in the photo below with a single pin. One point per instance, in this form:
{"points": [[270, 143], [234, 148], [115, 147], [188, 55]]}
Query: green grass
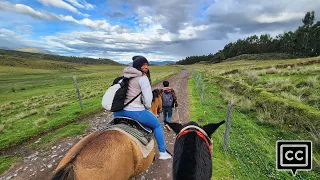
{"points": [[70, 130], [300, 84], [244, 65], [251, 146], [6, 162]]}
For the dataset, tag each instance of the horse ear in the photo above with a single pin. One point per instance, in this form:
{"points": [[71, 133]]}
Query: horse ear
{"points": [[176, 127], [211, 128]]}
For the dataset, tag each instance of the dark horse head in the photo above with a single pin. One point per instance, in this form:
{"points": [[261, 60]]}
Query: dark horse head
{"points": [[156, 93], [192, 151]]}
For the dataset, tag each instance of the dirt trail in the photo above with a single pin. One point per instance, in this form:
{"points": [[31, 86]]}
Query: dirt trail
{"points": [[39, 164]]}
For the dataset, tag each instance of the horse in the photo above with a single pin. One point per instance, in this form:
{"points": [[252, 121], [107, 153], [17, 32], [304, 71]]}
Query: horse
{"points": [[108, 154], [156, 105], [192, 156]]}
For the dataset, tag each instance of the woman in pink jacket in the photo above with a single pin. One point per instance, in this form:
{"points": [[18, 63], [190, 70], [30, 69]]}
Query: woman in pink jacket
{"points": [[141, 82]]}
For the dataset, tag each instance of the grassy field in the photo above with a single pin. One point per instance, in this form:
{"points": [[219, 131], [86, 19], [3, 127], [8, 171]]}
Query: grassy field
{"points": [[299, 84], [243, 65], [251, 147], [257, 123]]}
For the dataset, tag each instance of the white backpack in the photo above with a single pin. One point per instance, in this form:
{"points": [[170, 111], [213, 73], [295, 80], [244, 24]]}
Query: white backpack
{"points": [[113, 99], [108, 97]]}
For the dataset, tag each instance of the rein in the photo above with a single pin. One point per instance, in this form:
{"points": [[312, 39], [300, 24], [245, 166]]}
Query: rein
{"points": [[200, 132]]}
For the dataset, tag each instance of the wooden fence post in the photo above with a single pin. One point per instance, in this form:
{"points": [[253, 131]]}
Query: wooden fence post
{"points": [[198, 81], [78, 91], [201, 99], [228, 124]]}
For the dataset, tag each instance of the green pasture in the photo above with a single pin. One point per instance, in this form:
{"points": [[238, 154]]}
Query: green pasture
{"points": [[244, 65], [251, 146], [300, 84]]}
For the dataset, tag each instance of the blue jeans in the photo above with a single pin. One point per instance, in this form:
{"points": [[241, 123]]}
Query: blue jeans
{"points": [[167, 113], [147, 118]]}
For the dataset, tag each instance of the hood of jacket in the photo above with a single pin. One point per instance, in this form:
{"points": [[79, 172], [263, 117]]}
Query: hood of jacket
{"points": [[131, 72], [167, 89]]}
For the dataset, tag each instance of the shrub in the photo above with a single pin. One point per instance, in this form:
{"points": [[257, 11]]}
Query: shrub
{"points": [[41, 121], [252, 76], [291, 97], [27, 114], [314, 101], [226, 95], [274, 84], [273, 70], [56, 106], [288, 88], [245, 104], [47, 112], [305, 92], [312, 81], [1, 128], [262, 72], [264, 117]]}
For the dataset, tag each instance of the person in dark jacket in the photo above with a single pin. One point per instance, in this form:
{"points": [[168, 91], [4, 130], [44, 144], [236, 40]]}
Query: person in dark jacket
{"points": [[169, 101]]}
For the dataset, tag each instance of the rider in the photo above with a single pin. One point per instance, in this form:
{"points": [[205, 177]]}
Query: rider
{"points": [[141, 82]]}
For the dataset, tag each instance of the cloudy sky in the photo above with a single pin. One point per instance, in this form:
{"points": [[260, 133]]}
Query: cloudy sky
{"points": [[158, 29]]}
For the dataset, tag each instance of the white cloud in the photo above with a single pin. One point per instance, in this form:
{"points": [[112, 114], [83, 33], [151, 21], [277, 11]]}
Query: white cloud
{"points": [[116, 46], [24, 29], [23, 9], [84, 4], [92, 24], [282, 17], [61, 4], [95, 24], [191, 32], [165, 29], [11, 39]]}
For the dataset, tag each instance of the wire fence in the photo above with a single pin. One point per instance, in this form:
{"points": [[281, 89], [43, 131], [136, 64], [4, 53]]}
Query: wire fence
{"points": [[249, 146]]}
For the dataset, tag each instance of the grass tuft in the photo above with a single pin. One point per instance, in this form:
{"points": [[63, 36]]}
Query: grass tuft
{"points": [[41, 121], [1, 128]]}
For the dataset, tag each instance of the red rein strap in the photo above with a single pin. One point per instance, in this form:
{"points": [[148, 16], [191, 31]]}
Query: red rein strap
{"points": [[209, 145]]}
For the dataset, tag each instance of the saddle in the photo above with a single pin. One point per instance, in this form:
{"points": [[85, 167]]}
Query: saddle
{"points": [[141, 132]]}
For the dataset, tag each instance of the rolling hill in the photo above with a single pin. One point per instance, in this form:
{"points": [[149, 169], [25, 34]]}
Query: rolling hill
{"points": [[12, 57]]}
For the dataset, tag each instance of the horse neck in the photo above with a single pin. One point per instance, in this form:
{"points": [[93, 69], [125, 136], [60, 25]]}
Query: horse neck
{"points": [[192, 158], [159, 100]]}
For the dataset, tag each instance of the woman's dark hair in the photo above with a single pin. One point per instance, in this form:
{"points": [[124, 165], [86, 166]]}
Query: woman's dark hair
{"points": [[138, 62], [148, 75]]}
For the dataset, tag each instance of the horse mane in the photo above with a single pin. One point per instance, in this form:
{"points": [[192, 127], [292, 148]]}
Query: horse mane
{"points": [[155, 94], [66, 172], [192, 159]]}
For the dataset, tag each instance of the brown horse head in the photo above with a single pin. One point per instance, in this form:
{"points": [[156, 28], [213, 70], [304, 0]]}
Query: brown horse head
{"points": [[192, 150], [103, 155], [156, 105]]}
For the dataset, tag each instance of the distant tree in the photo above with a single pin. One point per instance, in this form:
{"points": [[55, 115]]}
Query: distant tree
{"points": [[308, 19], [304, 41]]}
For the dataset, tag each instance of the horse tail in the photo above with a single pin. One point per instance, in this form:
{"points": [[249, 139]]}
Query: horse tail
{"points": [[66, 172]]}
